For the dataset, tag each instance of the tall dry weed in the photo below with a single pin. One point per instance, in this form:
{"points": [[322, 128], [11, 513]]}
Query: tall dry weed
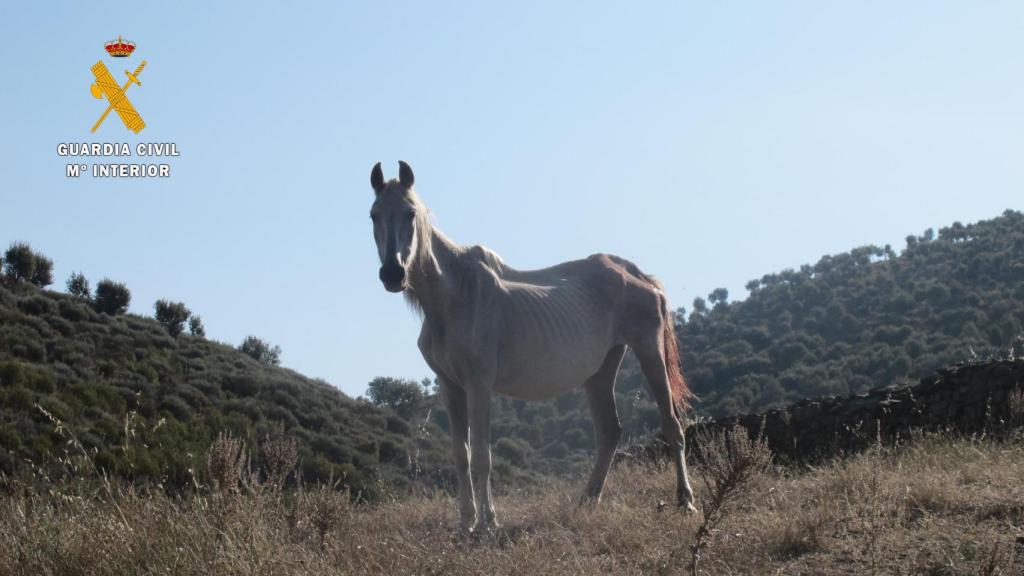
{"points": [[280, 456], [227, 463], [730, 462]]}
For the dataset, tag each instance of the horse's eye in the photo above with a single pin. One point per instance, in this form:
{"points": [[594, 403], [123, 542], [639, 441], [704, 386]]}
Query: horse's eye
{"points": [[409, 216]]}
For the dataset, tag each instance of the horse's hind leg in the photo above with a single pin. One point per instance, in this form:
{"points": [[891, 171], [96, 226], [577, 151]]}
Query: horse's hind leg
{"points": [[650, 353], [607, 431]]}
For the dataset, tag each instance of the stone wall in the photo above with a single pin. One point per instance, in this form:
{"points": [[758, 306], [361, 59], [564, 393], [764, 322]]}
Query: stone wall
{"points": [[968, 398]]}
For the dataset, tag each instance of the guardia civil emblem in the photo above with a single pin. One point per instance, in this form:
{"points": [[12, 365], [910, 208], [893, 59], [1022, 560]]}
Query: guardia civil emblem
{"points": [[116, 96]]}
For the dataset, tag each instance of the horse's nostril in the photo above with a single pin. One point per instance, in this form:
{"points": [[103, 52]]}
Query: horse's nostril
{"points": [[392, 274]]}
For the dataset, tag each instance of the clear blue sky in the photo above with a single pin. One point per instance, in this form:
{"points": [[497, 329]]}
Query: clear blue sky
{"points": [[709, 142]]}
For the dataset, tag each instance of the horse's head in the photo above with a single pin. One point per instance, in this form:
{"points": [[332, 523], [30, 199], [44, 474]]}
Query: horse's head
{"points": [[397, 216]]}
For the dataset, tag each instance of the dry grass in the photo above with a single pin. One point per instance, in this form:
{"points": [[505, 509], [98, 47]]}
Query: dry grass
{"points": [[937, 507]]}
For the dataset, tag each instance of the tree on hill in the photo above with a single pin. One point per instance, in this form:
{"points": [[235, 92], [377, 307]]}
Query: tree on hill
{"points": [[261, 351], [172, 316], [700, 306], [21, 263], [78, 286], [718, 297], [406, 397], [195, 326], [111, 297], [43, 274]]}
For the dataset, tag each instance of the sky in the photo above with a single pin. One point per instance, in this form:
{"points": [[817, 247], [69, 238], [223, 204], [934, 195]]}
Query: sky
{"points": [[710, 143]]}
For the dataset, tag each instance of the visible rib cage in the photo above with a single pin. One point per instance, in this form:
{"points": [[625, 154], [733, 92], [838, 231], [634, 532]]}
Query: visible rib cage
{"points": [[559, 314]]}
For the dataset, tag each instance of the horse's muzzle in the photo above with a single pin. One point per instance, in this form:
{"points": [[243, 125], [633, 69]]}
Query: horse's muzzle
{"points": [[393, 278]]}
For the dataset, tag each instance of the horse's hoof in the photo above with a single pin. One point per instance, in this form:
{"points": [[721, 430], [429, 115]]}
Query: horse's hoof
{"points": [[688, 508], [463, 532], [485, 529]]}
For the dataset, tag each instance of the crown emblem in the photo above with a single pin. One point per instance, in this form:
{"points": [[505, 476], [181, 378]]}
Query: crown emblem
{"points": [[120, 48]]}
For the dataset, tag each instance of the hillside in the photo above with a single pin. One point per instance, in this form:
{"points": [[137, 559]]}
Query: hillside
{"points": [[148, 405], [862, 319]]}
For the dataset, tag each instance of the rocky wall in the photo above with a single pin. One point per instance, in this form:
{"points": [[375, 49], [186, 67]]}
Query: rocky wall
{"points": [[984, 397]]}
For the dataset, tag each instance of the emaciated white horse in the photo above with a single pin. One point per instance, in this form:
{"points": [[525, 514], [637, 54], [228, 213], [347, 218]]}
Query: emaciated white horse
{"points": [[530, 334]]}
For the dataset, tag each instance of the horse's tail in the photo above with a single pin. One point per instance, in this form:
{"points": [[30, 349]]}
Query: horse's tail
{"points": [[678, 389], [681, 393]]}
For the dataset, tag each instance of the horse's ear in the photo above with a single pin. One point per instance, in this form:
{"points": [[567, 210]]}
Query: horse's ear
{"points": [[405, 175], [377, 178]]}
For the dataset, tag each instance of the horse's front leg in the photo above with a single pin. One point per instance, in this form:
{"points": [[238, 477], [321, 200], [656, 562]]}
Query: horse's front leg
{"points": [[479, 397], [458, 425]]}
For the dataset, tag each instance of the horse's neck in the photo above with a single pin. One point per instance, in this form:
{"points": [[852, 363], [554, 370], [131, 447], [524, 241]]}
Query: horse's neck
{"points": [[435, 278]]}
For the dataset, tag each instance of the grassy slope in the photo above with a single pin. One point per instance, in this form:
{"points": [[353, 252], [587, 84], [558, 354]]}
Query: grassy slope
{"points": [[938, 506], [109, 378]]}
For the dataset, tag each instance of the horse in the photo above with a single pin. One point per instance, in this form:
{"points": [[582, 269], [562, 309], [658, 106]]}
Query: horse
{"points": [[528, 334]]}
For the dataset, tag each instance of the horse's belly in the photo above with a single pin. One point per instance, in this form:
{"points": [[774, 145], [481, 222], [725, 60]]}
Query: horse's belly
{"points": [[540, 373]]}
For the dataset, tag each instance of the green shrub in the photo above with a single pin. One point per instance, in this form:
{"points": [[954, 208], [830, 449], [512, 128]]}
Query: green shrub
{"points": [[195, 326], [106, 462], [556, 450], [9, 438], [17, 398], [60, 325], [178, 407], [576, 438], [261, 351], [30, 349], [19, 262], [41, 380], [111, 297], [42, 276], [41, 446], [12, 372], [78, 286], [172, 316], [241, 384], [398, 426], [391, 451], [57, 408], [22, 264], [512, 450], [72, 311], [405, 397]]}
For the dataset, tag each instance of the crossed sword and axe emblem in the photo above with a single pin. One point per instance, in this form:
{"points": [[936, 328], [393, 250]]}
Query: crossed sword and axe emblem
{"points": [[105, 85]]}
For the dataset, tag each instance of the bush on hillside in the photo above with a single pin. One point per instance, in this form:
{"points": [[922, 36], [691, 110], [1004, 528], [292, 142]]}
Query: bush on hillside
{"points": [[111, 297], [403, 396], [78, 286], [21, 263], [261, 351], [195, 326], [172, 316]]}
